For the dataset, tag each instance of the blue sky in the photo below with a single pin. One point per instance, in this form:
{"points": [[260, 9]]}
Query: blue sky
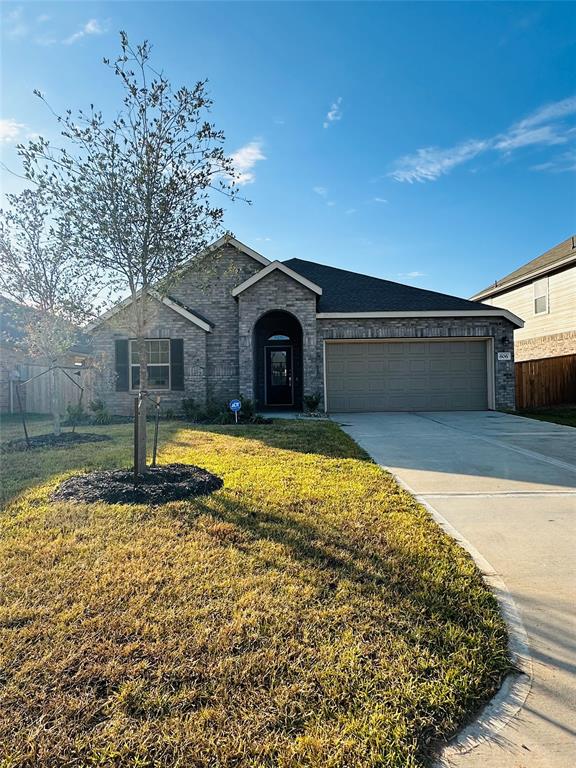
{"points": [[428, 143]]}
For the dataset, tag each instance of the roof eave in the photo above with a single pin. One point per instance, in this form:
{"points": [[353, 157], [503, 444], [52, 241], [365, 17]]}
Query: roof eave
{"points": [[514, 319], [186, 313], [495, 290]]}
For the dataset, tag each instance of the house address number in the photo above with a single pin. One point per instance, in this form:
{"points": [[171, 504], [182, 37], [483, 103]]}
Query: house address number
{"points": [[504, 355]]}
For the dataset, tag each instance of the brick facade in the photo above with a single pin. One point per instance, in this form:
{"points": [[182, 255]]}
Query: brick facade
{"points": [[277, 291], [210, 295], [219, 364], [551, 345], [164, 324]]}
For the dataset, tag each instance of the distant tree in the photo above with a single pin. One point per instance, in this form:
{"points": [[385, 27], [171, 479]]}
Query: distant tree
{"points": [[137, 190], [39, 270]]}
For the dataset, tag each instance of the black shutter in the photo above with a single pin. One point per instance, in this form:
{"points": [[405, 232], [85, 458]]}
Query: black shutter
{"points": [[122, 367], [177, 364]]}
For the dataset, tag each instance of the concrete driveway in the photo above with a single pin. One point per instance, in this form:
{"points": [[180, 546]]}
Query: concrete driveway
{"points": [[508, 486]]}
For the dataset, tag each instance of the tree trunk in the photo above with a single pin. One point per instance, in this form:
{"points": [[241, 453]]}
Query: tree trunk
{"points": [[55, 403], [143, 391]]}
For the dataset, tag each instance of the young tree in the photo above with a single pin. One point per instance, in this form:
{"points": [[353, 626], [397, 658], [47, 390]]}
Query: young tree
{"points": [[40, 271], [137, 190]]}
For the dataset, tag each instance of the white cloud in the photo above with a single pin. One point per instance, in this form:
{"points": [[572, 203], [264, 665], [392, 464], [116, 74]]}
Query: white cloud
{"points": [[380, 200], [350, 211], [45, 40], [244, 160], [18, 26], [545, 127], [334, 113], [10, 130], [524, 137], [15, 24], [92, 27], [323, 193], [415, 273], [564, 162], [549, 112], [264, 239], [430, 163]]}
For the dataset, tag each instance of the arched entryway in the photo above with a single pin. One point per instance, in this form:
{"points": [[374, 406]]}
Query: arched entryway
{"points": [[278, 361]]}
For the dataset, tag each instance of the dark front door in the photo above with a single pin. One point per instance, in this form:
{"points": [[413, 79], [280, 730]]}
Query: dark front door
{"points": [[279, 387]]}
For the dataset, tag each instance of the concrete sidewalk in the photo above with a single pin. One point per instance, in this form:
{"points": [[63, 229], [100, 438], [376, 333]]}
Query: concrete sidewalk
{"points": [[508, 486]]}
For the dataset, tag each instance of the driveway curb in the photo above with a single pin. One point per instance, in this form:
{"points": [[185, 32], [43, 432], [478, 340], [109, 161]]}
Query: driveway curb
{"points": [[510, 699]]}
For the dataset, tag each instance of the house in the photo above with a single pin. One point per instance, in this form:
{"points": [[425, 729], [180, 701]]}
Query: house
{"points": [[16, 364], [276, 331], [543, 293]]}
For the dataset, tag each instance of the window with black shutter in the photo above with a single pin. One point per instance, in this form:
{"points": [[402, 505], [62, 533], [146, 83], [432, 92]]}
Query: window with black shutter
{"points": [[121, 365], [159, 367], [177, 364]]}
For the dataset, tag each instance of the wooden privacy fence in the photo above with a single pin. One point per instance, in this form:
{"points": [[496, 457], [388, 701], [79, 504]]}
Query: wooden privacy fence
{"points": [[546, 382], [37, 394]]}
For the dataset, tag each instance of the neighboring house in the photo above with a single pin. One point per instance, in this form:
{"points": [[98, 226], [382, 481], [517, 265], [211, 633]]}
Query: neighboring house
{"points": [[543, 293], [17, 365], [277, 331]]}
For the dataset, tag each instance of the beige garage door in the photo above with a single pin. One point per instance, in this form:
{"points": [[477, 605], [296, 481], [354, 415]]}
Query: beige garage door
{"points": [[406, 376]]}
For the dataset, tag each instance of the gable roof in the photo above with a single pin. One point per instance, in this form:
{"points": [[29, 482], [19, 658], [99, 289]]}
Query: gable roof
{"points": [[345, 291], [169, 301], [228, 239], [560, 255], [282, 267]]}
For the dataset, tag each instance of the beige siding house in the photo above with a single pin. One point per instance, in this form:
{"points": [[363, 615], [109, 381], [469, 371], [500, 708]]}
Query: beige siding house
{"points": [[543, 293]]}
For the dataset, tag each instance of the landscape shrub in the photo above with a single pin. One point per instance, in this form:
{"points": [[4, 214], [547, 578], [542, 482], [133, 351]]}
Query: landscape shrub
{"points": [[101, 415], [75, 414], [311, 402], [219, 413]]}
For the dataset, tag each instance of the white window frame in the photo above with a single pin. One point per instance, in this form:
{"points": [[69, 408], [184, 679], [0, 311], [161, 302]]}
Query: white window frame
{"points": [[541, 290], [137, 365]]}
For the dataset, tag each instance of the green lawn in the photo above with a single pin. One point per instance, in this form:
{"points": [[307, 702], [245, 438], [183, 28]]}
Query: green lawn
{"points": [[566, 415], [308, 614]]}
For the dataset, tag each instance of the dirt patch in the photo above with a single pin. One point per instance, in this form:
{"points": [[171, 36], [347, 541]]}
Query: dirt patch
{"points": [[158, 485], [51, 441]]}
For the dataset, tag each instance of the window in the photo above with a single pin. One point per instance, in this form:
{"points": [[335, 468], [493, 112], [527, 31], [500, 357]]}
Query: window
{"points": [[278, 337], [279, 368], [158, 364], [541, 296]]}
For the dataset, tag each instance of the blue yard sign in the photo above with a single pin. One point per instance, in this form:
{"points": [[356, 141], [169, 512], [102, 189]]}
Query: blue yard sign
{"points": [[235, 406]]}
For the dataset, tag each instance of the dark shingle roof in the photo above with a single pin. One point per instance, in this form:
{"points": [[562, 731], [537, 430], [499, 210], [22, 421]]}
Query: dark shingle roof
{"points": [[541, 264], [344, 291]]}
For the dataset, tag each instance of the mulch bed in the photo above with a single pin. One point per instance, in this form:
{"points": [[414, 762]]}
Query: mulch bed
{"points": [[51, 441], [158, 485]]}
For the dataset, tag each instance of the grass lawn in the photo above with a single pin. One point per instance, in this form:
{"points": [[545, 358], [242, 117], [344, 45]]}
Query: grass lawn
{"points": [[310, 613], [566, 415]]}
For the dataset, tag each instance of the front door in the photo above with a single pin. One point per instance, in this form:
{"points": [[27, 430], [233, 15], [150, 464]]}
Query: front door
{"points": [[279, 388]]}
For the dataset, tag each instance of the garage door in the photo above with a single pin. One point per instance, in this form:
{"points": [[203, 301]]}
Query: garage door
{"points": [[406, 376]]}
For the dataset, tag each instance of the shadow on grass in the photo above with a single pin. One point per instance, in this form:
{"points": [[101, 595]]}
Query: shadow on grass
{"points": [[420, 591], [323, 438]]}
